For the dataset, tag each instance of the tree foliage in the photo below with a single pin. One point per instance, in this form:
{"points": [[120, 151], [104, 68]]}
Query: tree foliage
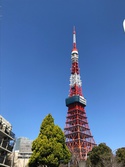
{"points": [[120, 156], [100, 156], [49, 147]]}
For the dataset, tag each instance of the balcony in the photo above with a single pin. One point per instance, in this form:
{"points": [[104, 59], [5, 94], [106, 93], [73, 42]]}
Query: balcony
{"points": [[4, 162], [5, 131]]}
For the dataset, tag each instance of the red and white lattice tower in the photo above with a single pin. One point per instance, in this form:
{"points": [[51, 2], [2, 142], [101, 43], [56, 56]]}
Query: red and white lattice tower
{"points": [[77, 132]]}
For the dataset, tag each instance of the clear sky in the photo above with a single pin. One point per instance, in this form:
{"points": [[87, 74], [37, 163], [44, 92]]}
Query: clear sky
{"points": [[35, 50]]}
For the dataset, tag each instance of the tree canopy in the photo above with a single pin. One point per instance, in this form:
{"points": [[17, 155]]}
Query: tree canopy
{"points": [[120, 156], [49, 147], [100, 156]]}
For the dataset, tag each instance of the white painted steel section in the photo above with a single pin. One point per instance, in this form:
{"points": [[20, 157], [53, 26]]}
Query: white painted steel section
{"points": [[75, 79], [74, 57], [82, 100], [74, 52], [124, 25], [74, 38]]}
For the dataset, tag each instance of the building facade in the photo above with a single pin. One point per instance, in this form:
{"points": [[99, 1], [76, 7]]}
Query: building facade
{"points": [[22, 152], [7, 140]]}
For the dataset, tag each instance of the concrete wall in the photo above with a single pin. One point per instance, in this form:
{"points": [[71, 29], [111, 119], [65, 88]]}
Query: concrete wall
{"points": [[20, 162], [82, 164]]}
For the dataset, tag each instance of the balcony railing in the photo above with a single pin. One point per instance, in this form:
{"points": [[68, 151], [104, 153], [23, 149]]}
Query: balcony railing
{"points": [[5, 161], [7, 131], [6, 145]]}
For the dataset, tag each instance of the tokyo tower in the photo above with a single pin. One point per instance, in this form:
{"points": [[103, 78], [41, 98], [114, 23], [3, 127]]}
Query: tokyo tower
{"points": [[77, 132]]}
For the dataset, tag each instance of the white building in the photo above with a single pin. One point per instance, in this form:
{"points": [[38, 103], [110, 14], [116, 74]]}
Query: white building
{"points": [[22, 152], [7, 139]]}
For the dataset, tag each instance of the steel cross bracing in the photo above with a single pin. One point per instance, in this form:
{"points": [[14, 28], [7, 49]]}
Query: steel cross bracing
{"points": [[77, 132]]}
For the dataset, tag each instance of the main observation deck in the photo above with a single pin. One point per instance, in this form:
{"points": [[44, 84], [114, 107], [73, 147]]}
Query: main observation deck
{"points": [[77, 99]]}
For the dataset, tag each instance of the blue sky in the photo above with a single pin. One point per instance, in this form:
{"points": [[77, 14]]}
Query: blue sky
{"points": [[35, 48]]}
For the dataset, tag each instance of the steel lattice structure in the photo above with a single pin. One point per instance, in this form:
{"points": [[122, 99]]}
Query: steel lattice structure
{"points": [[77, 132]]}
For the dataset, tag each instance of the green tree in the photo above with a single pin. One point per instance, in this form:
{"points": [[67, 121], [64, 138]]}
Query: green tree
{"points": [[49, 147], [100, 156], [120, 156]]}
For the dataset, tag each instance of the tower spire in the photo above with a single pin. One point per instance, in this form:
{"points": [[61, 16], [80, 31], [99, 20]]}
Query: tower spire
{"points": [[74, 39], [75, 81]]}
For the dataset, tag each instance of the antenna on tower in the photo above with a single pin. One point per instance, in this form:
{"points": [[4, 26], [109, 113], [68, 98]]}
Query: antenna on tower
{"points": [[124, 25], [74, 37]]}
